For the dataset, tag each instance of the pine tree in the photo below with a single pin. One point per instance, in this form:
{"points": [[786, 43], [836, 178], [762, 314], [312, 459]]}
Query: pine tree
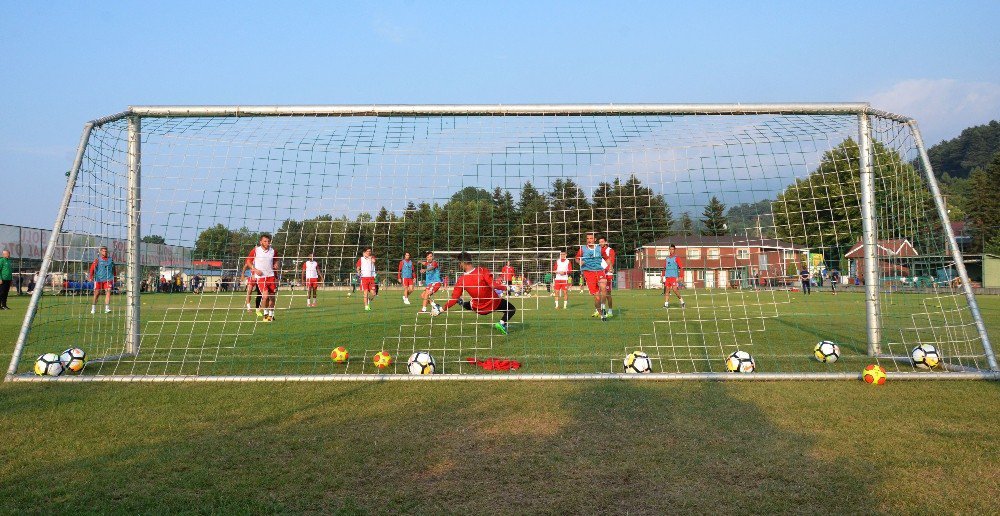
{"points": [[984, 204], [714, 218], [686, 225]]}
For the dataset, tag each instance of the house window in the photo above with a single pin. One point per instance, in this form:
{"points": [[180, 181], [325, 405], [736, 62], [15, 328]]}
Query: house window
{"points": [[661, 254], [700, 275], [789, 256], [743, 254], [713, 253], [694, 253]]}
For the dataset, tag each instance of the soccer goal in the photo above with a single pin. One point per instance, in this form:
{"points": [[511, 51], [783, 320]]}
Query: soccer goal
{"points": [[782, 241]]}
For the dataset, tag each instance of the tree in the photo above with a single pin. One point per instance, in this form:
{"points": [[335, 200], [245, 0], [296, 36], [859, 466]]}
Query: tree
{"points": [[714, 218], [533, 215], [823, 210], [470, 194], [570, 213], [751, 219], [213, 243], [984, 205], [630, 213], [153, 239], [686, 225]]}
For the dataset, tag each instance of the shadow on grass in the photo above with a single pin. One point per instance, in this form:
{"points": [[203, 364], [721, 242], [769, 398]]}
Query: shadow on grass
{"points": [[609, 447]]}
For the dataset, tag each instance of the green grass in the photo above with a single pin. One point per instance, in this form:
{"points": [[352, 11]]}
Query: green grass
{"points": [[805, 447], [213, 335]]}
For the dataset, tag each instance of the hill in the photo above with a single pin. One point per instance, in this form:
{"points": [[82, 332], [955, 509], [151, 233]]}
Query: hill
{"points": [[972, 149]]}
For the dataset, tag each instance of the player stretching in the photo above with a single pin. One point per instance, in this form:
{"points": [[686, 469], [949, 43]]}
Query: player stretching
{"points": [[672, 268], [563, 267], [405, 276], [608, 262], [366, 271], [103, 273], [310, 276], [478, 282], [589, 257], [432, 280], [263, 261]]}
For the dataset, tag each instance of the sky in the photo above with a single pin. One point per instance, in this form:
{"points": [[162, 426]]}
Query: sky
{"points": [[66, 63]]}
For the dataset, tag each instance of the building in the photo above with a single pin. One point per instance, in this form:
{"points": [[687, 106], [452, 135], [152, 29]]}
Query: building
{"points": [[721, 261], [892, 255]]}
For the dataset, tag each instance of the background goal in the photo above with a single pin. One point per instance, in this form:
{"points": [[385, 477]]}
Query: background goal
{"points": [[753, 197]]}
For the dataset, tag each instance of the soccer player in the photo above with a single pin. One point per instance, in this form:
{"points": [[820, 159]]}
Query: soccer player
{"points": [[432, 279], [834, 280], [562, 267], [485, 298], [103, 273], [263, 262], [405, 276], [507, 273], [589, 258], [366, 271], [805, 278], [672, 269], [310, 276], [251, 288], [608, 262]]}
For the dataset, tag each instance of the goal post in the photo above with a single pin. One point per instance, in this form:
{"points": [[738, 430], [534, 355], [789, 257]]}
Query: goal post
{"points": [[183, 193]]}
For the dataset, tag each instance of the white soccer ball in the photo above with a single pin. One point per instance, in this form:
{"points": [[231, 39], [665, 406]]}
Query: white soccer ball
{"points": [[638, 362], [48, 365], [421, 362], [73, 359], [925, 356], [740, 362], [435, 309], [826, 351]]}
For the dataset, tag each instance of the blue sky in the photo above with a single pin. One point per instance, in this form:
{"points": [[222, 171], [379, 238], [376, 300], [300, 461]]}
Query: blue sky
{"points": [[65, 63]]}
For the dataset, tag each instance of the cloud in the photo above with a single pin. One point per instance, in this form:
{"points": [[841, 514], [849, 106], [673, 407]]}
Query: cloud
{"points": [[942, 107]]}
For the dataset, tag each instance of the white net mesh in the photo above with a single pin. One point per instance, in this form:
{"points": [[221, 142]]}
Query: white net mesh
{"points": [[754, 203]]}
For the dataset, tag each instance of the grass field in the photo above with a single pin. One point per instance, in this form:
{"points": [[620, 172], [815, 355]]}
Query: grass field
{"points": [[212, 334], [915, 447]]}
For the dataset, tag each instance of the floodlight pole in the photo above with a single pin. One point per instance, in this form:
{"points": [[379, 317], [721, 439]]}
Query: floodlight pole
{"points": [[956, 254], [29, 315], [133, 275], [869, 238]]}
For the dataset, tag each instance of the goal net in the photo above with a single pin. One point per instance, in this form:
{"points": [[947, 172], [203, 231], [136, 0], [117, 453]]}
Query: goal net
{"points": [[764, 229]]}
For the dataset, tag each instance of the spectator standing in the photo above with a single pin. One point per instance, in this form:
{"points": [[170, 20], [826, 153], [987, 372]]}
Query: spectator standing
{"points": [[6, 275]]}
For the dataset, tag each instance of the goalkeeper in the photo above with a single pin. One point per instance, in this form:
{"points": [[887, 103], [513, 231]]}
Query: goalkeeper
{"points": [[485, 296]]}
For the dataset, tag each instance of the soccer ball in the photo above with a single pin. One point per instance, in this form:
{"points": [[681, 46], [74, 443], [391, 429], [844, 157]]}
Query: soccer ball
{"points": [[73, 359], [421, 362], [435, 309], [637, 362], [826, 351], [740, 362], [339, 355], [874, 374], [382, 359], [48, 364], [925, 356]]}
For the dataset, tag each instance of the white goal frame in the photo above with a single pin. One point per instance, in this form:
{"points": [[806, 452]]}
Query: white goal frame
{"points": [[134, 115]]}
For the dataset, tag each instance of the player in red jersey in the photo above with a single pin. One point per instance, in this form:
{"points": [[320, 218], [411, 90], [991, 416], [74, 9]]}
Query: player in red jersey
{"points": [[608, 261], [366, 271], [485, 296], [563, 267], [263, 262], [507, 273], [311, 279]]}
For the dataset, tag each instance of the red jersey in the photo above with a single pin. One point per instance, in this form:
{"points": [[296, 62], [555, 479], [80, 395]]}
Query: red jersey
{"points": [[609, 258], [479, 284], [508, 272]]}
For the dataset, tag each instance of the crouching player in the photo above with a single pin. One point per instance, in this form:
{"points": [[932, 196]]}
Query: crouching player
{"points": [[485, 297]]}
